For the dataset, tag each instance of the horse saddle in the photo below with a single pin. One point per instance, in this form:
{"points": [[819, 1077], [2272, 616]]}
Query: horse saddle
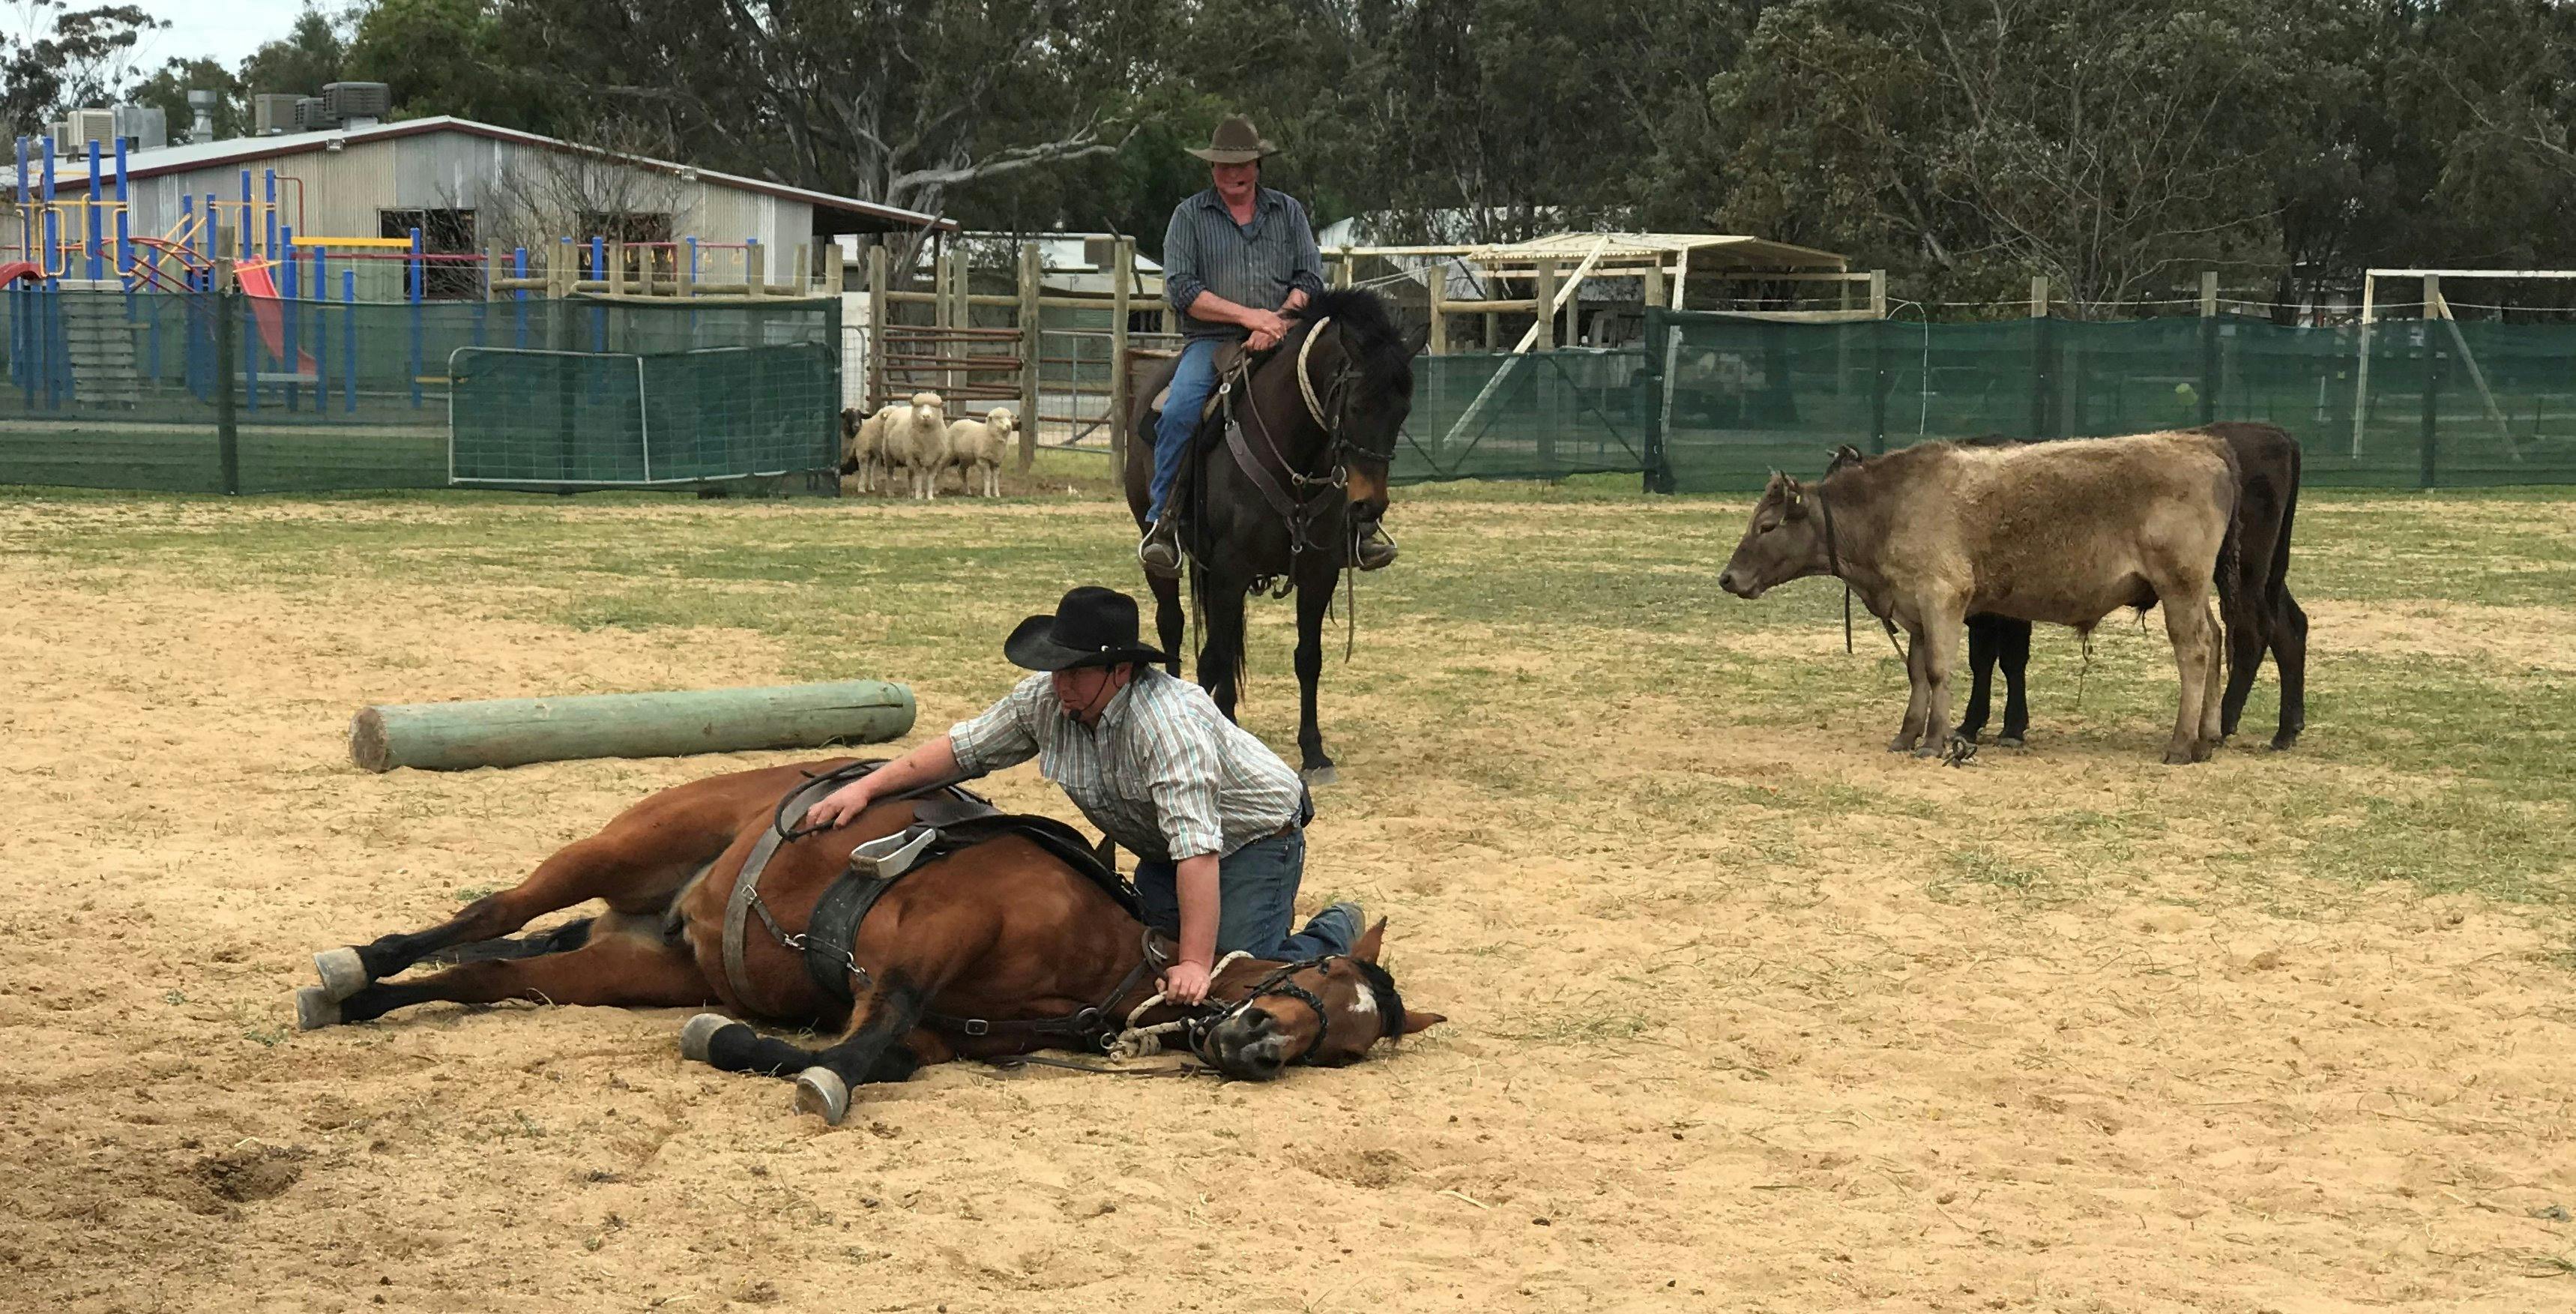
{"points": [[944, 824], [1233, 365]]}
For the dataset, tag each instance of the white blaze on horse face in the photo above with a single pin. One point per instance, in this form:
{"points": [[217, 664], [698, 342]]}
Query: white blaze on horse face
{"points": [[1363, 1003]]}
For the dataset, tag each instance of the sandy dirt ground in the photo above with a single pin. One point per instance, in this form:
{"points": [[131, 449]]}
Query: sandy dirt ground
{"points": [[1719, 1042]]}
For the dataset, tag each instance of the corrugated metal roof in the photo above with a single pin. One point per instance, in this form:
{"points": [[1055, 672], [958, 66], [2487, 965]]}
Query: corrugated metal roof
{"points": [[243, 150]]}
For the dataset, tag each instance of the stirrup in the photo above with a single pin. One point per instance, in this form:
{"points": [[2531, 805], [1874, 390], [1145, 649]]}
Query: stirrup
{"points": [[1159, 552], [1374, 549], [892, 855]]}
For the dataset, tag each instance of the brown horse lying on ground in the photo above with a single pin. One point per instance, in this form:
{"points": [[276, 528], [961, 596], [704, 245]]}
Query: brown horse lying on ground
{"points": [[999, 946]]}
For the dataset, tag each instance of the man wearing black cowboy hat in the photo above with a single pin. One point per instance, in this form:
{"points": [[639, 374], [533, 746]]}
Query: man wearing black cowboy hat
{"points": [[1216, 820], [1239, 262]]}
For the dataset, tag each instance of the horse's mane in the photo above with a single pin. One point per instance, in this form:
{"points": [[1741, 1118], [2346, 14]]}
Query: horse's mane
{"points": [[1362, 315], [1381, 987]]}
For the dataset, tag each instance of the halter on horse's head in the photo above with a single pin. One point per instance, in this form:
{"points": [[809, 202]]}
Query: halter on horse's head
{"points": [[1323, 1012]]}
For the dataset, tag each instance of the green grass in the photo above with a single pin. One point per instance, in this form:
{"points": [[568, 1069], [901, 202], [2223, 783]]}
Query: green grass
{"points": [[1534, 633]]}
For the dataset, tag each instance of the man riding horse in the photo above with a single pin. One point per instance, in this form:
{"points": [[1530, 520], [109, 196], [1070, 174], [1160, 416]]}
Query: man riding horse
{"points": [[1239, 263], [1216, 820]]}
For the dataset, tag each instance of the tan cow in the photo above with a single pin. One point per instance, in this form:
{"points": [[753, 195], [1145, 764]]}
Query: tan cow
{"points": [[2063, 532]]}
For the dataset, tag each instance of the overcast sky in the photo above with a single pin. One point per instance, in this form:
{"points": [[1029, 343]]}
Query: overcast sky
{"points": [[224, 30]]}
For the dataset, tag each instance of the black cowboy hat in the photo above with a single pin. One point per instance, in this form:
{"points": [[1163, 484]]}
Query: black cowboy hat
{"points": [[1092, 626], [1235, 141]]}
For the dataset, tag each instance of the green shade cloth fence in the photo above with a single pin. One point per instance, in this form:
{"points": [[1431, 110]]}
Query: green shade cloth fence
{"points": [[2404, 403], [200, 392]]}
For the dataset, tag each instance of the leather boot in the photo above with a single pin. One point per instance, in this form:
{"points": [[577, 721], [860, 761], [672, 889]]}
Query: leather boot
{"points": [[1376, 550], [1160, 550]]}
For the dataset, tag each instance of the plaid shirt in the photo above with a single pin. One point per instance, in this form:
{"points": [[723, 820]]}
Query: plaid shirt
{"points": [[1255, 264], [1164, 773]]}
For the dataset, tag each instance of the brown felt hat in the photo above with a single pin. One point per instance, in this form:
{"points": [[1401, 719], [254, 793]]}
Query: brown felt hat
{"points": [[1235, 141]]}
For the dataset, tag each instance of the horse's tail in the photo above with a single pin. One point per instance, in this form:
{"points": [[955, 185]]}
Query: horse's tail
{"points": [[1232, 644]]}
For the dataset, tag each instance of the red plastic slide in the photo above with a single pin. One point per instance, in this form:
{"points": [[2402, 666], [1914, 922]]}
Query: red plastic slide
{"points": [[21, 271], [270, 310]]}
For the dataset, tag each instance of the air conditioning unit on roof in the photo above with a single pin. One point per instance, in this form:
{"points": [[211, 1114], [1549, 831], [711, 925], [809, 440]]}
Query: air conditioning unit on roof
{"points": [[92, 125], [359, 104], [272, 113], [142, 127], [313, 114]]}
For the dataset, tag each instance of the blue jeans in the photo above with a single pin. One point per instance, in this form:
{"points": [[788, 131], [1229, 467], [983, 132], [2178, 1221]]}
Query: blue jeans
{"points": [[1256, 891], [1193, 378]]}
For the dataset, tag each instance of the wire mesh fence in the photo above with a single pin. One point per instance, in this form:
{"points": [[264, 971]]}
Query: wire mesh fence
{"points": [[2420, 403], [210, 392]]}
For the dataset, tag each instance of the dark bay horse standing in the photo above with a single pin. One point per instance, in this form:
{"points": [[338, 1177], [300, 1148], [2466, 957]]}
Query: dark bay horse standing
{"points": [[1283, 507]]}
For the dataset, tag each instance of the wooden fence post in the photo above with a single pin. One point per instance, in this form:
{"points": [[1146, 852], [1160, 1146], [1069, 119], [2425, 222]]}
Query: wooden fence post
{"points": [[227, 360], [800, 274], [2039, 346], [755, 270], [1123, 271], [835, 269], [1543, 304], [1029, 355], [2208, 346], [493, 264], [1439, 287], [876, 326], [2429, 442]]}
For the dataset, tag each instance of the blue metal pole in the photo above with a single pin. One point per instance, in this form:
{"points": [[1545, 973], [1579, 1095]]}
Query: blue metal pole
{"points": [[271, 207], [349, 336], [124, 224], [251, 349], [53, 222], [97, 235], [693, 259], [416, 291], [599, 313], [288, 264], [214, 221], [245, 215], [26, 226]]}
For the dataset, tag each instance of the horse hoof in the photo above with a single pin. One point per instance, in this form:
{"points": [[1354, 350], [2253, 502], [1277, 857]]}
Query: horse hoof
{"points": [[315, 1009], [821, 1090], [2009, 741], [341, 972], [1322, 775], [698, 1031]]}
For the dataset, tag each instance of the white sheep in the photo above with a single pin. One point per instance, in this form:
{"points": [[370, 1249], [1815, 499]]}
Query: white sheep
{"points": [[977, 447], [917, 439], [862, 448]]}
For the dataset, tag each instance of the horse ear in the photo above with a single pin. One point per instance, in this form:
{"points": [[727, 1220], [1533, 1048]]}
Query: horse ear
{"points": [[1417, 1020], [1366, 949]]}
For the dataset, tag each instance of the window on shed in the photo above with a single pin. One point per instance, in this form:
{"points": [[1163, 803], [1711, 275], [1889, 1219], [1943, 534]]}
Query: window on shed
{"points": [[442, 232]]}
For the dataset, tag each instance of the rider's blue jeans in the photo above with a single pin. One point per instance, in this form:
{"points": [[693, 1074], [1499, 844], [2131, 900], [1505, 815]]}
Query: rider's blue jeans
{"points": [[1256, 891], [1193, 378]]}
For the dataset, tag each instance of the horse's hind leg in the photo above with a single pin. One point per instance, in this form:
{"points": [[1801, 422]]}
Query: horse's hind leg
{"points": [[625, 960], [636, 863]]}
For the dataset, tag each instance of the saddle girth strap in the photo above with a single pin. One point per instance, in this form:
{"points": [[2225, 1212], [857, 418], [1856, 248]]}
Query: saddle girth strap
{"points": [[746, 883]]}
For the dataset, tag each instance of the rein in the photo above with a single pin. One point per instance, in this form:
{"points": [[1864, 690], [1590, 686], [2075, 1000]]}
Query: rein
{"points": [[1834, 560]]}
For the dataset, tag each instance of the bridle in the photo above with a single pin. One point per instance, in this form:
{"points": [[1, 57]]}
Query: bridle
{"points": [[1834, 562], [1308, 498], [1281, 983]]}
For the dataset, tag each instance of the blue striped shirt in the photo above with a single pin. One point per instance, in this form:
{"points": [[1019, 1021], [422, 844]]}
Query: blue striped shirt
{"points": [[1164, 773], [1254, 264]]}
